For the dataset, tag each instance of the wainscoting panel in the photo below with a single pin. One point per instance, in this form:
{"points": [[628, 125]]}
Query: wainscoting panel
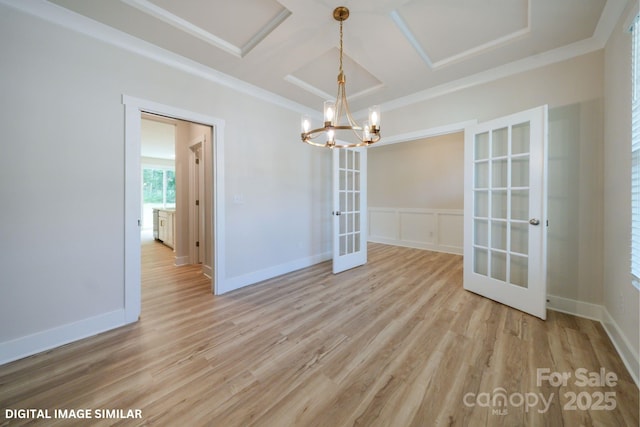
{"points": [[433, 229]]}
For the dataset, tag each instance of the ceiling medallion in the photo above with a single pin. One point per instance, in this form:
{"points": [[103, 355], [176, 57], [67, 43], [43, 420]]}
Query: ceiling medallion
{"points": [[366, 134]]}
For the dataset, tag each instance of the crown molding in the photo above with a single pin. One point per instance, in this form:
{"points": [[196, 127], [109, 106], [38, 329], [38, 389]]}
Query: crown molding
{"points": [[527, 64], [81, 24], [164, 15], [611, 13], [609, 19]]}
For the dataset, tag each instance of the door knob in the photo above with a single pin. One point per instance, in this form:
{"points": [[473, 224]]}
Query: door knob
{"points": [[534, 221], [336, 212]]}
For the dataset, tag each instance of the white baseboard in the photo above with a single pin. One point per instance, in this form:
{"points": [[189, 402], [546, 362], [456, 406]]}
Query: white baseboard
{"points": [[207, 270], [439, 230], [600, 314], [258, 276], [61, 335], [575, 307], [417, 245], [182, 260], [621, 343]]}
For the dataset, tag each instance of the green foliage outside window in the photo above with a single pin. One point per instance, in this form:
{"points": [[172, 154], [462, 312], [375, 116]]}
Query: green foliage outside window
{"points": [[153, 186]]}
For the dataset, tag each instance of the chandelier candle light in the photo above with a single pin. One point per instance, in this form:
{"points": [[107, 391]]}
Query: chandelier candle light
{"points": [[366, 134]]}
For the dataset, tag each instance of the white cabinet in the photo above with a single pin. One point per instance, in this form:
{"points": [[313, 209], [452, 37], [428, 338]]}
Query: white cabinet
{"points": [[166, 226]]}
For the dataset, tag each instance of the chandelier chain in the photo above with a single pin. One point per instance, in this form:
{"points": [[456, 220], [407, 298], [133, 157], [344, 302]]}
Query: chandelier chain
{"points": [[341, 46]]}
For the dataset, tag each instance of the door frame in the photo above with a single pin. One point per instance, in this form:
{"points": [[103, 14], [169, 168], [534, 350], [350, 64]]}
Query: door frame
{"points": [[134, 107], [196, 192]]}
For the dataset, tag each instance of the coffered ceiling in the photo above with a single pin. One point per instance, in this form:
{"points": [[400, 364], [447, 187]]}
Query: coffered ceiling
{"points": [[394, 49]]}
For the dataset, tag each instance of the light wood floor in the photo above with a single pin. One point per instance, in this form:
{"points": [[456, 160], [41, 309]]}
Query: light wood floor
{"points": [[397, 342]]}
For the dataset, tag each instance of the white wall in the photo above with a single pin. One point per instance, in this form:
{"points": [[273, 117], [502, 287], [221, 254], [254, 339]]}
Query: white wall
{"points": [[621, 299], [61, 234], [573, 90], [427, 173], [186, 132], [416, 193], [569, 82], [575, 202], [440, 230]]}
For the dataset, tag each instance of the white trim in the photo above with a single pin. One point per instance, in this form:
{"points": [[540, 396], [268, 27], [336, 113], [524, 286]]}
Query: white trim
{"points": [[132, 213], [184, 25], [600, 314], [196, 216], [526, 64], [81, 24], [60, 335], [492, 44], [263, 32], [425, 133], [454, 250], [398, 238], [575, 307], [182, 260], [622, 345], [134, 107], [324, 95], [478, 50], [271, 272], [410, 37], [631, 15], [207, 271], [307, 86], [175, 21], [75, 22]]}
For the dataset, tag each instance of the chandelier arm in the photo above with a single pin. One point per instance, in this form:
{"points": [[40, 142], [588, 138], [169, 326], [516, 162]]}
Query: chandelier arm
{"points": [[339, 103], [341, 107]]}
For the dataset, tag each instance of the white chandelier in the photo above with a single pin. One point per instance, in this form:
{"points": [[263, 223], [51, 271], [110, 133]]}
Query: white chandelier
{"points": [[366, 134]]}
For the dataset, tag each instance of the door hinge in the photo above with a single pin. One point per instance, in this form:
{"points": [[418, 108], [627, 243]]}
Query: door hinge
{"points": [[139, 223], [197, 244], [197, 202], [197, 161]]}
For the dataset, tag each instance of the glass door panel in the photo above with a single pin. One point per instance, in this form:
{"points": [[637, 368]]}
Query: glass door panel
{"points": [[501, 204], [350, 205], [504, 251]]}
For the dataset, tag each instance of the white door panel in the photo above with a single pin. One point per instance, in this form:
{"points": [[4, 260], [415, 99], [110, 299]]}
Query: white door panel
{"points": [[505, 210], [350, 204]]}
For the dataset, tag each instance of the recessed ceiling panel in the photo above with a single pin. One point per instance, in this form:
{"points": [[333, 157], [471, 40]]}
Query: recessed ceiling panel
{"points": [[399, 50], [321, 74], [235, 26], [551, 19], [448, 28]]}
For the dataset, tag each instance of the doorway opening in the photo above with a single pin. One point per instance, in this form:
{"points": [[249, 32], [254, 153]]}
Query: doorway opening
{"points": [[176, 206], [199, 140]]}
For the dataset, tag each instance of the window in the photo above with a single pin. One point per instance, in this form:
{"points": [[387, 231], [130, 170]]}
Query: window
{"points": [[159, 187], [158, 191], [635, 154]]}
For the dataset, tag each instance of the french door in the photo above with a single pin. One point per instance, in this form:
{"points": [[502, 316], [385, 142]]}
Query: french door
{"points": [[350, 205], [505, 210]]}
